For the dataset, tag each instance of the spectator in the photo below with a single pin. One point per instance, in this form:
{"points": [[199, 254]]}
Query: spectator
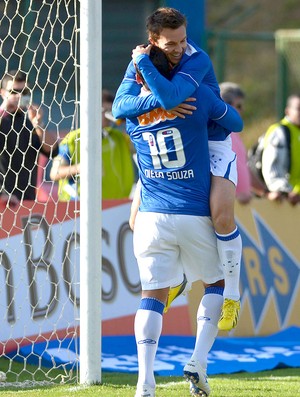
{"points": [[117, 164], [247, 181], [234, 95], [280, 159], [22, 139]]}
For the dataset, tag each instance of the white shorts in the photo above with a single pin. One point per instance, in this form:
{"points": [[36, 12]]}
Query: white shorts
{"points": [[223, 159], [168, 245]]}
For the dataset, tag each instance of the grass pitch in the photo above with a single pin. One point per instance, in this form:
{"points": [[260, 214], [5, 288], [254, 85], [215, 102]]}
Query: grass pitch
{"points": [[281, 382]]}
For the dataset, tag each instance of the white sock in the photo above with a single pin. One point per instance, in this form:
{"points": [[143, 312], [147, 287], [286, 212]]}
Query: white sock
{"points": [[208, 315], [147, 328], [230, 253]]}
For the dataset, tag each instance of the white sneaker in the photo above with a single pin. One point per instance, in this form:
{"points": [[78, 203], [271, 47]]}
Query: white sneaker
{"points": [[145, 391], [194, 373]]}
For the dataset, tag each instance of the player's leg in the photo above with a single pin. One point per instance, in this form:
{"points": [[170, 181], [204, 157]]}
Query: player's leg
{"points": [[157, 255], [208, 315], [147, 329], [228, 238], [199, 255], [229, 243], [176, 290]]}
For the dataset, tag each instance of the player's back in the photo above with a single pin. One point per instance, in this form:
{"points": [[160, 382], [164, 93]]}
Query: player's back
{"points": [[173, 157]]}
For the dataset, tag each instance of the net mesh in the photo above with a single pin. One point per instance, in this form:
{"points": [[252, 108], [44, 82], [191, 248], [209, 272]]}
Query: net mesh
{"points": [[39, 305]]}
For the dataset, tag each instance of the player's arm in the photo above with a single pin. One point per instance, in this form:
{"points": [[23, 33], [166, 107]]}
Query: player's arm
{"points": [[222, 113], [166, 94], [129, 104], [127, 101], [229, 118], [170, 93]]}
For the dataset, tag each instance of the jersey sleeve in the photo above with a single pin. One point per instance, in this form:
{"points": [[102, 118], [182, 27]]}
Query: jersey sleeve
{"points": [[222, 113], [185, 81], [168, 93], [127, 101]]}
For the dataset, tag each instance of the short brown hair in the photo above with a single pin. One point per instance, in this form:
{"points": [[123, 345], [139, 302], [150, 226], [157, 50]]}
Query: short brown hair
{"points": [[15, 75], [164, 18]]}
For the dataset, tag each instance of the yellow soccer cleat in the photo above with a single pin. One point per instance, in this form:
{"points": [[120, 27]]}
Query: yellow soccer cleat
{"points": [[230, 314], [174, 292]]}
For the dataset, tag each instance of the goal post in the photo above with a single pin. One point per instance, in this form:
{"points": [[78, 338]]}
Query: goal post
{"points": [[90, 188], [50, 251]]}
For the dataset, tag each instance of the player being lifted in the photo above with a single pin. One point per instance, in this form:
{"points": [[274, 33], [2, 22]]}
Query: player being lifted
{"points": [[189, 67]]}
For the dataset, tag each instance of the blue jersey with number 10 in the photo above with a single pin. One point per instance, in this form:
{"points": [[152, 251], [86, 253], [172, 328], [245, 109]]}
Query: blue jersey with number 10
{"points": [[173, 155]]}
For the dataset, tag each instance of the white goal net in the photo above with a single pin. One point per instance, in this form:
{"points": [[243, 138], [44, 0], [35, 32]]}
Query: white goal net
{"points": [[39, 275]]}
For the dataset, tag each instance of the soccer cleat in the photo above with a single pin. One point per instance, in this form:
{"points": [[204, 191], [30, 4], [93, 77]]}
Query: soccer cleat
{"points": [[230, 314], [196, 375], [145, 391], [174, 292], [195, 391]]}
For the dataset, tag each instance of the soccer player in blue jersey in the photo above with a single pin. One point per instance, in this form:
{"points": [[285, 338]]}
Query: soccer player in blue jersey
{"points": [[173, 233], [190, 66]]}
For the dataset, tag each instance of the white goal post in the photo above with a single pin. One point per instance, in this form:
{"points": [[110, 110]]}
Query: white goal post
{"points": [[90, 169], [50, 251]]}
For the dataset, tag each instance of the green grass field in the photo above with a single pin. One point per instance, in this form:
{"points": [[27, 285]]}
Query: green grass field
{"points": [[282, 382]]}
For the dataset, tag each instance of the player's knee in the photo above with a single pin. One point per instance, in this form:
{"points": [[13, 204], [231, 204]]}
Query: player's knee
{"points": [[223, 222]]}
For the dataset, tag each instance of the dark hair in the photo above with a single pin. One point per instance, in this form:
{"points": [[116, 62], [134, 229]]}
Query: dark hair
{"points": [[164, 18], [15, 75], [160, 61]]}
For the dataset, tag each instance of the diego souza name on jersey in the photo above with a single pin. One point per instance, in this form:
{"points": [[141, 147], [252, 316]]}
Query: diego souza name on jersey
{"points": [[183, 174]]}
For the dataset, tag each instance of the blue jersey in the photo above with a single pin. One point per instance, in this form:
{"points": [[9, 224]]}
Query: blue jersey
{"points": [[173, 155], [194, 68]]}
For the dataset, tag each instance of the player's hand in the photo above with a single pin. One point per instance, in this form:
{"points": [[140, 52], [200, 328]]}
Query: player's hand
{"points": [[140, 49], [184, 108]]}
